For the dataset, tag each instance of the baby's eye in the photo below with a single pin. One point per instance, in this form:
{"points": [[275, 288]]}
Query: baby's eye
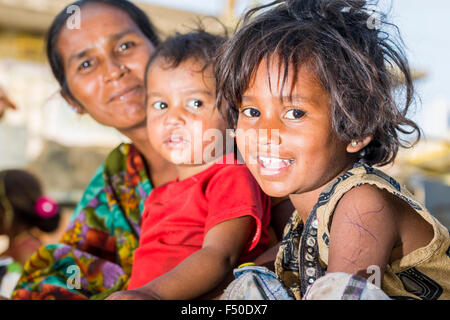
{"points": [[195, 104], [251, 112], [126, 45], [294, 114], [160, 105]]}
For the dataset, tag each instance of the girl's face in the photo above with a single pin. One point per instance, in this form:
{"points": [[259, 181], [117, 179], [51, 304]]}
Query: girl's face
{"points": [[183, 124], [104, 63], [302, 153]]}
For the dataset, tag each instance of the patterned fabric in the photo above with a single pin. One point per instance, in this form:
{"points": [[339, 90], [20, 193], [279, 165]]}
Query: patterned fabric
{"points": [[303, 255], [95, 255], [343, 286], [255, 283]]}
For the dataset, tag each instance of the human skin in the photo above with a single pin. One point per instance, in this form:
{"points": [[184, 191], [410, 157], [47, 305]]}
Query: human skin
{"points": [[104, 64], [370, 226]]}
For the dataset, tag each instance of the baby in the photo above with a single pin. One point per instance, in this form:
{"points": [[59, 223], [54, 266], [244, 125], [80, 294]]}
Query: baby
{"points": [[195, 229]]}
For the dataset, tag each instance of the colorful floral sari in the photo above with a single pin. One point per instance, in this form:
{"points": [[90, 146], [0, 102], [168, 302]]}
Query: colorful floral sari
{"points": [[95, 254]]}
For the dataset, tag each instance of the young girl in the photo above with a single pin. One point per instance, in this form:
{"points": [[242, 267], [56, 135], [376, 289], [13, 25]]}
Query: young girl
{"points": [[196, 228], [318, 75]]}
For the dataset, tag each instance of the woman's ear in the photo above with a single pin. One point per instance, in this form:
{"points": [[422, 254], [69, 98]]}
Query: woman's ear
{"points": [[357, 145], [76, 107]]}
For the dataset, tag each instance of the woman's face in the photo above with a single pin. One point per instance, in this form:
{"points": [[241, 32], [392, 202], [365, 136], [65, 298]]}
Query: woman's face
{"points": [[104, 63]]}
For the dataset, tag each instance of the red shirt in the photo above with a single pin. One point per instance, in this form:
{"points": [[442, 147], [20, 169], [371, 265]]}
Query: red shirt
{"points": [[178, 215]]}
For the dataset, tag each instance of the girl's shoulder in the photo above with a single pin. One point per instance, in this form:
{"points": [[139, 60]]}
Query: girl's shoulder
{"points": [[368, 187], [374, 202]]}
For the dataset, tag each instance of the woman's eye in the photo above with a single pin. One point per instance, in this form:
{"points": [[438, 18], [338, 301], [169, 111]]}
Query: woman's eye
{"points": [[84, 65], [294, 114], [194, 103], [251, 112], [160, 105], [125, 46]]}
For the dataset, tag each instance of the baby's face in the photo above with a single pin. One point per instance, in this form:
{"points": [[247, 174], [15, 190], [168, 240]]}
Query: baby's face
{"points": [[183, 124], [294, 148]]}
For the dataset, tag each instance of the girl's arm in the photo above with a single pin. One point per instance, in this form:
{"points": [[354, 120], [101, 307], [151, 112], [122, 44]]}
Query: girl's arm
{"points": [[363, 232], [202, 271]]}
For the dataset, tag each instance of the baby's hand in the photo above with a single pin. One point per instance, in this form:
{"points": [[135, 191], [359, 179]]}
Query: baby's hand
{"points": [[136, 294]]}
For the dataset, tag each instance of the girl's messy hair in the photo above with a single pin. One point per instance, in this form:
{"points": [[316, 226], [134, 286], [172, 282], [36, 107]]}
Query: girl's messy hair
{"points": [[352, 57]]}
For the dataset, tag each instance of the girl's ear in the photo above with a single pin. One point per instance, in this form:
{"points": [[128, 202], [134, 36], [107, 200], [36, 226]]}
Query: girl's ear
{"points": [[72, 102], [357, 145]]}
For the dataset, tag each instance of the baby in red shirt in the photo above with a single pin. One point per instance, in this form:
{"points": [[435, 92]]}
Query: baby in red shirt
{"points": [[195, 229]]}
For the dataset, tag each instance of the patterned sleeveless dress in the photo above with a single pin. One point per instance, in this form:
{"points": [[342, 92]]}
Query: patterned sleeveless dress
{"points": [[303, 255]]}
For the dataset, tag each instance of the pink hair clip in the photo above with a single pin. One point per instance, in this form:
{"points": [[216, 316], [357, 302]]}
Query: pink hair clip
{"points": [[46, 207]]}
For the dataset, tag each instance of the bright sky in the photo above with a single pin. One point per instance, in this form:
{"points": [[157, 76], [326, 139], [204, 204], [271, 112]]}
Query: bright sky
{"points": [[424, 27]]}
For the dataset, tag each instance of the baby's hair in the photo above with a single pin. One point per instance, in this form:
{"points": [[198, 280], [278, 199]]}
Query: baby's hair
{"points": [[352, 59], [197, 44]]}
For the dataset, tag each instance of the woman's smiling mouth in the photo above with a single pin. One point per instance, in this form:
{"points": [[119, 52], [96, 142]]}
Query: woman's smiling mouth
{"points": [[126, 93]]}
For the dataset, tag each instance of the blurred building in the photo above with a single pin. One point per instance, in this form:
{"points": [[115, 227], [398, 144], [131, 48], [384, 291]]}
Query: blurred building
{"points": [[44, 134], [64, 149]]}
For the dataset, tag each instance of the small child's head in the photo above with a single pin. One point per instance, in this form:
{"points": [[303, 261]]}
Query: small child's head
{"points": [[181, 94], [319, 73], [23, 206]]}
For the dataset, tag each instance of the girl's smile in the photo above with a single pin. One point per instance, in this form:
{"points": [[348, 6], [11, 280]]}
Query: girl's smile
{"points": [[273, 167]]}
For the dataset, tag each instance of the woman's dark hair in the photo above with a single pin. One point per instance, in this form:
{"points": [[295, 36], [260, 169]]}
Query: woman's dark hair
{"points": [[21, 190], [342, 41], [137, 15], [197, 44]]}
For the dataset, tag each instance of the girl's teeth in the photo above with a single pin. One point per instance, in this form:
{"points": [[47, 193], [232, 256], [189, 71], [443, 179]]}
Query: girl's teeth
{"points": [[275, 163]]}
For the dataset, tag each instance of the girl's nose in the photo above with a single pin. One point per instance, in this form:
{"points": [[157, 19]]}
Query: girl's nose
{"points": [[269, 131]]}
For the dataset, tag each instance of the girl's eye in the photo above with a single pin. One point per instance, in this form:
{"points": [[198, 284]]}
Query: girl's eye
{"points": [[126, 45], [251, 112], [294, 114], [160, 105], [195, 104]]}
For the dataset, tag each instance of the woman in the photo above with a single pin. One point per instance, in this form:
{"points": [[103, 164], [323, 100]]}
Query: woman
{"points": [[100, 68]]}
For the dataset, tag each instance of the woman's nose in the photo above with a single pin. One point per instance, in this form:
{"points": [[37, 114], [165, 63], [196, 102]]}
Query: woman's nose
{"points": [[115, 70]]}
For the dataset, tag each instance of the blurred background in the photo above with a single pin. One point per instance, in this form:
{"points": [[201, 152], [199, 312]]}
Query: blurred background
{"points": [[64, 149]]}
